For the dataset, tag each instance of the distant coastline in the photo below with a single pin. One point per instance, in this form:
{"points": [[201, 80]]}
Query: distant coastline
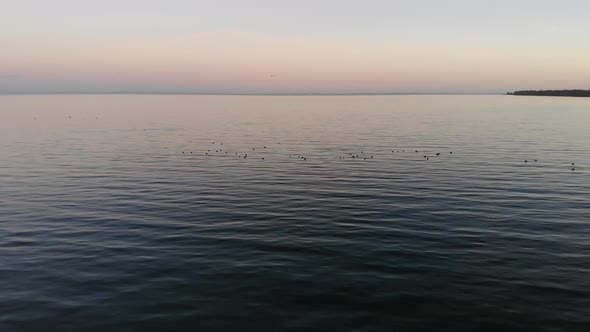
{"points": [[553, 93]]}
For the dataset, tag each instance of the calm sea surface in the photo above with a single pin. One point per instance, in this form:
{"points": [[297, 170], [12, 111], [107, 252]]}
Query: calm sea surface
{"points": [[105, 225]]}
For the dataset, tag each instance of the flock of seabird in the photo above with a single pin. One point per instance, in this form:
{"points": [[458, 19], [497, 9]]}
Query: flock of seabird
{"points": [[353, 156], [350, 154], [219, 150]]}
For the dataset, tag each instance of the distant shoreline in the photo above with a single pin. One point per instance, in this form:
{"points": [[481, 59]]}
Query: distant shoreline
{"points": [[552, 93]]}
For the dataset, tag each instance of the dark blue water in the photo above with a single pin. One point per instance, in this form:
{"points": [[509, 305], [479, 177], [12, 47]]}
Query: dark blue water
{"points": [[105, 225]]}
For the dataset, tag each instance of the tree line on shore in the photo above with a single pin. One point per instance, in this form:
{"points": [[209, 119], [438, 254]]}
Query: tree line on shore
{"points": [[558, 93]]}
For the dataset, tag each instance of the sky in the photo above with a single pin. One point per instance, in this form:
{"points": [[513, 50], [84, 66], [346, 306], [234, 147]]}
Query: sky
{"points": [[303, 46]]}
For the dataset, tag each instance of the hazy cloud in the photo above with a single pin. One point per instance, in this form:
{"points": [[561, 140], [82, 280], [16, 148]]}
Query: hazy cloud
{"points": [[27, 84], [9, 77]]}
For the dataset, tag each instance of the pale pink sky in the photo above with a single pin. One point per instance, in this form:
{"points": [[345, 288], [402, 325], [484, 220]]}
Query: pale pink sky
{"points": [[204, 46]]}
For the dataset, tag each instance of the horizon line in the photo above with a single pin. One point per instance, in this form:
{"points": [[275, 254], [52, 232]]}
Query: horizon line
{"points": [[247, 93]]}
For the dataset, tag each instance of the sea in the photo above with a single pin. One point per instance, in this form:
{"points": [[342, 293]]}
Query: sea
{"points": [[294, 213]]}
